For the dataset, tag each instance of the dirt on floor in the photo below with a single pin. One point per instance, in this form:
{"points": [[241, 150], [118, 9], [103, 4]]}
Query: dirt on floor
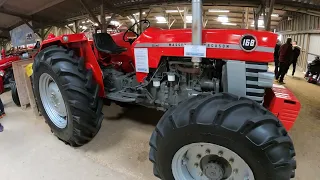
{"points": [[29, 151]]}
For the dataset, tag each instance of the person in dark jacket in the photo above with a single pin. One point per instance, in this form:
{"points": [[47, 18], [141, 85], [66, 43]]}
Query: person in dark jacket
{"points": [[285, 59], [295, 56], [276, 57], [2, 113]]}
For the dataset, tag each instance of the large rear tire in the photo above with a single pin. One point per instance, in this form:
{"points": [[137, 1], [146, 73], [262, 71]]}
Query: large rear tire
{"points": [[221, 137], [67, 95], [14, 94]]}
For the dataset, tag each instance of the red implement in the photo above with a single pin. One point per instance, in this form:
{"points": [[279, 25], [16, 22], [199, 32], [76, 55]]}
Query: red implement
{"points": [[282, 103]]}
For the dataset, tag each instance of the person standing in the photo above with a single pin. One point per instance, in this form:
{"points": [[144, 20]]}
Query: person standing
{"points": [[285, 59], [2, 113], [276, 57], [295, 56]]}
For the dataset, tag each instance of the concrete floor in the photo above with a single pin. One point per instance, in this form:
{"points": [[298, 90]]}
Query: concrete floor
{"points": [[120, 150]]}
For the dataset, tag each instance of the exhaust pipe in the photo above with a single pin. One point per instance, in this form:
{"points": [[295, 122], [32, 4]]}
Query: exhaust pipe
{"points": [[196, 28]]}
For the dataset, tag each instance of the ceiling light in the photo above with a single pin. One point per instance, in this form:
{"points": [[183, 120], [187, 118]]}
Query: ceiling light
{"points": [[260, 26], [189, 19], [132, 20], [229, 24], [139, 13], [83, 22], [223, 19], [161, 19], [84, 27], [108, 17], [218, 10], [71, 24], [273, 15], [96, 24], [260, 22], [115, 23], [88, 21], [174, 11], [161, 22]]}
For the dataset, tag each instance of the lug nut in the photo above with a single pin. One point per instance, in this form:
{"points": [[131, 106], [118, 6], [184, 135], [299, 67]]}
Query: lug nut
{"points": [[199, 156], [184, 162], [196, 165], [220, 153], [208, 151], [235, 171], [231, 160]]}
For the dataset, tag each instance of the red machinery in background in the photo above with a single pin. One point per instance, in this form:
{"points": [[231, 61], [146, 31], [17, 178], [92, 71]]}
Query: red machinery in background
{"points": [[6, 72]]}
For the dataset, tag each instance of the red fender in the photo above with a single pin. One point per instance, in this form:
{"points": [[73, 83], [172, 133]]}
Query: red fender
{"points": [[82, 47]]}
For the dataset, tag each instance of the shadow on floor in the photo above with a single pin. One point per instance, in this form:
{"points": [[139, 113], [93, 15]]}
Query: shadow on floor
{"points": [[139, 114], [118, 122]]}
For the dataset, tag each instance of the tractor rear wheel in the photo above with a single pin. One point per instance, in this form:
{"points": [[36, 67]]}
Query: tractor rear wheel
{"points": [[67, 95], [14, 93], [221, 137]]}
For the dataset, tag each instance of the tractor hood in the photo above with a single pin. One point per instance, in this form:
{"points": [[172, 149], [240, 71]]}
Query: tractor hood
{"points": [[243, 45]]}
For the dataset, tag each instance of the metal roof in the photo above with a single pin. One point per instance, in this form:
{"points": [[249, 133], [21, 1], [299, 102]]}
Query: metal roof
{"points": [[43, 13]]}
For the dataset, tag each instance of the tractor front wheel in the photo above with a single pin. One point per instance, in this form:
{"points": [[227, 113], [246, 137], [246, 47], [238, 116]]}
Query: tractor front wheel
{"points": [[221, 137], [67, 95]]}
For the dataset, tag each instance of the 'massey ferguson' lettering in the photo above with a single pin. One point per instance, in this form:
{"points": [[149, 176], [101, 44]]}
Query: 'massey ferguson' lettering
{"points": [[177, 44], [217, 46], [209, 45]]}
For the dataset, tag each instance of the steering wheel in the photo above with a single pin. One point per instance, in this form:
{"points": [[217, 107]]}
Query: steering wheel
{"points": [[145, 21]]}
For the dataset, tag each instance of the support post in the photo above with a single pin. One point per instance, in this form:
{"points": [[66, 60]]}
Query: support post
{"points": [[247, 17], [267, 14], [103, 18], [148, 13], [47, 32], [135, 20], [196, 27], [170, 24], [140, 19], [71, 29], [180, 14], [256, 19], [185, 13], [243, 20], [74, 27]]}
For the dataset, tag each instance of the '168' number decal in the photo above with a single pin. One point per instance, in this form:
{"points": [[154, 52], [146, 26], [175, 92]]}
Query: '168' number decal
{"points": [[248, 43]]}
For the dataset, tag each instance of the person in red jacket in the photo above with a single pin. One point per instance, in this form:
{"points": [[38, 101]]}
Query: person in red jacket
{"points": [[285, 59]]}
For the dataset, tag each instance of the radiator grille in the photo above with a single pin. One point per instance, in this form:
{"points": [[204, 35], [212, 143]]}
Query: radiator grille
{"points": [[253, 90]]}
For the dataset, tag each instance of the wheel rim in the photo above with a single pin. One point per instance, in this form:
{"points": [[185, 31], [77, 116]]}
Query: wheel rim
{"points": [[206, 161], [52, 100]]}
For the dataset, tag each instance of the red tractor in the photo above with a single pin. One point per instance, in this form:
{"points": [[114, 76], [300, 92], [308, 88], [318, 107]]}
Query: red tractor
{"points": [[222, 110], [6, 76]]}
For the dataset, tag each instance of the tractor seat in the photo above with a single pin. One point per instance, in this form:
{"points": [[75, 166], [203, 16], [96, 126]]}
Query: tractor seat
{"points": [[105, 43]]}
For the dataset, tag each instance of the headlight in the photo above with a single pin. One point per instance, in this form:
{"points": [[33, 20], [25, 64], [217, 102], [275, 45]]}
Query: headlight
{"points": [[1, 73]]}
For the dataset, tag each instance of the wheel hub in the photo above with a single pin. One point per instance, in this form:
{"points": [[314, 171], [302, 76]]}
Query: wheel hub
{"points": [[56, 99], [52, 101], [206, 161], [213, 171]]}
